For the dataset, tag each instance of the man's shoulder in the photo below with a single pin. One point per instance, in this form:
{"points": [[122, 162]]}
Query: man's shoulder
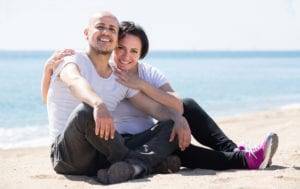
{"points": [[78, 56]]}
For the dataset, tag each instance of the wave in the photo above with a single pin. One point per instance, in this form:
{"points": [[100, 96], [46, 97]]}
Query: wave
{"points": [[290, 106], [29, 136]]}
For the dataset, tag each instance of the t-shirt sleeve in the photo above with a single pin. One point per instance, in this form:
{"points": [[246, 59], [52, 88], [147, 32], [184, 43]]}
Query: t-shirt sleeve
{"points": [[154, 76], [68, 59], [131, 93]]}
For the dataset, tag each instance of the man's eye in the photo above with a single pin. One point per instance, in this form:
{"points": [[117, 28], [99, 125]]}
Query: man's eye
{"points": [[113, 30], [100, 27]]}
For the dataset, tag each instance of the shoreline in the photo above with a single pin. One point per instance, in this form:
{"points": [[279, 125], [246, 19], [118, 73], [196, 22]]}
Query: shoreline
{"points": [[31, 167], [44, 141]]}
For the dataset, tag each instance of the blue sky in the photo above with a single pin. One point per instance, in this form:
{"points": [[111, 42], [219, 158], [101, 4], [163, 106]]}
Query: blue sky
{"points": [[170, 24]]}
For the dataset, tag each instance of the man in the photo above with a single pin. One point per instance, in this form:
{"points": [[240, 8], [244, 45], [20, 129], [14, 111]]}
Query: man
{"points": [[85, 140]]}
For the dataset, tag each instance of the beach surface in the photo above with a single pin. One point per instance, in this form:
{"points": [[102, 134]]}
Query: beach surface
{"points": [[31, 167]]}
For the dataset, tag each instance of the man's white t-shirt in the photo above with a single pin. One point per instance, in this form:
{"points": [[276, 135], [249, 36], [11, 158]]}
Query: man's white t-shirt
{"points": [[129, 119], [61, 102]]}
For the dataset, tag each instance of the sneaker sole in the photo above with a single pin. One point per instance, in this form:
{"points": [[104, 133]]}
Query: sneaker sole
{"points": [[120, 172], [265, 162], [170, 165], [102, 176], [274, 147]]}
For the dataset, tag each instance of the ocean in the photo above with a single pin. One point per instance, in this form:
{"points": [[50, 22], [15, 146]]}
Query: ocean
{"points": [[223, 83]]}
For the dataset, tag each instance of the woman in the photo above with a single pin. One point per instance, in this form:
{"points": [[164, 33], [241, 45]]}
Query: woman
{"points": [[225, 154]]}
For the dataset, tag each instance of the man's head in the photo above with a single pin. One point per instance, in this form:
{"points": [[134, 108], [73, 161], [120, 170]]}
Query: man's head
{"points": [[102, 32]]}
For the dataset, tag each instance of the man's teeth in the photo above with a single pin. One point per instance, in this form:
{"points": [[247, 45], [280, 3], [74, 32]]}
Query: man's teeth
{"points": [[104, 40]]}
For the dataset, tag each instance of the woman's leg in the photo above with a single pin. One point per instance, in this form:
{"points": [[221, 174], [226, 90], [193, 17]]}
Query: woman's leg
{"points": [[204, 129], [199, 157]]}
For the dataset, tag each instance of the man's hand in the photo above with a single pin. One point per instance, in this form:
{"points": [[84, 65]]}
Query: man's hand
{"points": [[56, 58], [104, 125], [182, 130], [128, 79]]}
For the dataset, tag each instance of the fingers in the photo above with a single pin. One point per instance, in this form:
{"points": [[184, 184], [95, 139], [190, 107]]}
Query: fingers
{"points": [[102, 129], [58, 57], [97, 127], [184, 137], [122, 75], [112, 132], [181, 140], [107, 131], [172, 135]]}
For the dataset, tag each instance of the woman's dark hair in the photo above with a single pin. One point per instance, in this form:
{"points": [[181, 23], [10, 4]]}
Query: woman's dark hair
{"points": [[131, 28]]}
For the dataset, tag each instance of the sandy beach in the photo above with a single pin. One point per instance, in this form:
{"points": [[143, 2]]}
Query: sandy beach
{"points": [[31, 167]]}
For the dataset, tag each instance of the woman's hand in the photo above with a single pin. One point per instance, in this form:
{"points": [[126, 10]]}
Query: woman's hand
{"points": [[56, 58], [129, 79]]}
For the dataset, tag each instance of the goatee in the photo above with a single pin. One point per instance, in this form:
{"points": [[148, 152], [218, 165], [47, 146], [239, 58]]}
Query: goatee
{"points": [[104, 52]]}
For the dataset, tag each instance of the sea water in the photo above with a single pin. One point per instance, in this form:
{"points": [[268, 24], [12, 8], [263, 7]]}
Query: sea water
{"points": [[223, 83]]}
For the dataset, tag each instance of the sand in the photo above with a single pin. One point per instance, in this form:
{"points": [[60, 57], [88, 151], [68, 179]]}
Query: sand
{"points": [[31, 167]]}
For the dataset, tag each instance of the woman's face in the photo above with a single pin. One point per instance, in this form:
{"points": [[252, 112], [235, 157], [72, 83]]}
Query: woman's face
{"points": [[128, 52]]}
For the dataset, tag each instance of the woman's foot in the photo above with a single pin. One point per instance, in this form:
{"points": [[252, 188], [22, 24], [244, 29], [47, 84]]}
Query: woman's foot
{"points": [[261, 156]]}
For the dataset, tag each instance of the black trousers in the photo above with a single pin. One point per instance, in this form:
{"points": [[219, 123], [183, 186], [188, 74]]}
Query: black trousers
{"points": [[78, 151], [220, 156]]}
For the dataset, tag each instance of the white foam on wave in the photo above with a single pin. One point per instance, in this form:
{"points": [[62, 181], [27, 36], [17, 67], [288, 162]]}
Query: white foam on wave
{"points": [[29, 136], [290, 106]]}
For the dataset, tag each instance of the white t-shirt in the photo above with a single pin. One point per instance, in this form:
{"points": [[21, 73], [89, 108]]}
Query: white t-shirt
{"points": [[61, 102], [130, 120]]}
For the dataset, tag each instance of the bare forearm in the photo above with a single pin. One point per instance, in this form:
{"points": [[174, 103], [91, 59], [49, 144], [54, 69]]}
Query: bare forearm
{"points": [[168, 99], [83, 92], [45, 83], [163, 113]]}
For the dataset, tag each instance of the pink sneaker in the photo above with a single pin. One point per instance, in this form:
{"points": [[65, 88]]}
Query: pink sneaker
{"points": [[241, 147], [260, 156]]}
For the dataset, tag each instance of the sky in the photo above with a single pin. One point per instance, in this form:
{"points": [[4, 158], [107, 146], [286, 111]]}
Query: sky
{"points": [[170, 24]]}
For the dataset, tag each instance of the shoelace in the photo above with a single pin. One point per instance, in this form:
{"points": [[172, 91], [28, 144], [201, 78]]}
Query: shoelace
{"points": [[251, 149]]}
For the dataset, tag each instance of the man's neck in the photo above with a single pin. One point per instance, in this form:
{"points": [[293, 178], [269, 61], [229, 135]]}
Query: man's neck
{"points": [[100, 62]]}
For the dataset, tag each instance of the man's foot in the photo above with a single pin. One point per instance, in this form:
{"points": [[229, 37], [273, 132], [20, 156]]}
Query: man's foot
{"points": [[170, 165], [260, 156], [274, 146], [117, 172], [102, 176]]}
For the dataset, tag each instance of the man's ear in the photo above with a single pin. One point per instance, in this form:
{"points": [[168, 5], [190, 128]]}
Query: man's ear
{"points": [[86, 33]]}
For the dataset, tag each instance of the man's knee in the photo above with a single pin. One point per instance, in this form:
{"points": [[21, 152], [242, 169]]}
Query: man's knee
{"points": [[166, 126], [82, 117]]}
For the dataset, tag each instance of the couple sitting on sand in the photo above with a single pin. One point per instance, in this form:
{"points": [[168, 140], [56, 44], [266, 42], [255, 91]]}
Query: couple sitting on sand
{"points": [[101, 113]]}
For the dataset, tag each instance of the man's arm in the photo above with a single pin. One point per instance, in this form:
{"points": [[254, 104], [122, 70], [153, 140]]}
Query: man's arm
{"points": [[82, 90], [161, 113]]}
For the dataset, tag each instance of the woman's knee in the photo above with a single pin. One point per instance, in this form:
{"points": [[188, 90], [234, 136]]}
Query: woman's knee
{"points": [[189, 103]]}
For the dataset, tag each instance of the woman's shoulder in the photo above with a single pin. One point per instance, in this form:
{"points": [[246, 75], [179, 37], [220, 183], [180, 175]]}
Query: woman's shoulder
{"points": [[147, 68]]}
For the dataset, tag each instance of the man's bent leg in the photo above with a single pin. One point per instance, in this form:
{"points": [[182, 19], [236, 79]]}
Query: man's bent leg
{"points": [[77, 149], [156, 149]]}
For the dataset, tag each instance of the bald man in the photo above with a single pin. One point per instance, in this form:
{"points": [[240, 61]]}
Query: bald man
{"points": [[83, 134]]}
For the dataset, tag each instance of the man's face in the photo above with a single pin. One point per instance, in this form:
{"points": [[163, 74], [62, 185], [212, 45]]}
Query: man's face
{"points": [[102, 34]]}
